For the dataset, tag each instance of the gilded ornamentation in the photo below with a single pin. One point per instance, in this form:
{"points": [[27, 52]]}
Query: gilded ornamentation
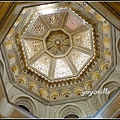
{"points": [[61, 67]]}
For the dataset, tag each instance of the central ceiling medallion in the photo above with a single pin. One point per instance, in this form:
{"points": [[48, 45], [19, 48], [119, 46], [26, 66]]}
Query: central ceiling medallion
{"points": [[57, 42]]}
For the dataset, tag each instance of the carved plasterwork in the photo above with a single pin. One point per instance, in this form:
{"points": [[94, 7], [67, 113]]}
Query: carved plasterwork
{"points": [[12, 92], [57, 42], [42, 110], [53, 110], [54, 18], [78, 63], [37, 28], [82, 39], [112, 108], [32, 47]]}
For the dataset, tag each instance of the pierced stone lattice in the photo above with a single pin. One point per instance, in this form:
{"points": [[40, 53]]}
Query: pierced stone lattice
{"points": [[42, 64], [62, 69], [79, 59], [82, 39], [32, 47]]}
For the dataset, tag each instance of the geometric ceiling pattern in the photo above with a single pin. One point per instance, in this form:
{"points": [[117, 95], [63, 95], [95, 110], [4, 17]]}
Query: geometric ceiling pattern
{"points": [[58, 49], [54, 47]]}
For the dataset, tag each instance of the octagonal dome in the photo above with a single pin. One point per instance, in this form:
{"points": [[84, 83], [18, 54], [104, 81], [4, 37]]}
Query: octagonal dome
{"points": [[57, 45], [68, 70]]}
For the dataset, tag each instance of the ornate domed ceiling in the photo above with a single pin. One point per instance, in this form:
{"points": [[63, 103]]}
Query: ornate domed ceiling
{"points": [[57, 45], [56, 51]]}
